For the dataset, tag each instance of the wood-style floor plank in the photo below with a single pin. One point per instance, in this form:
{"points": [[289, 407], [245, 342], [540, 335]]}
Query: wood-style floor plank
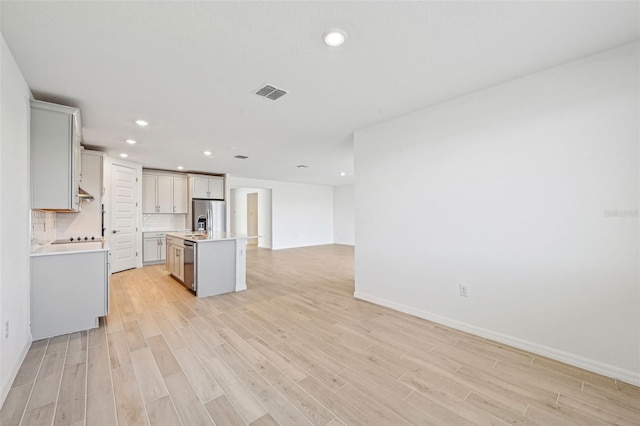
{"points": [[99, 370], [70, 408], [203, 384], [148, 375], [14, 405], [162, 412], [40, 416], [295, 348], [129, 405], [223, 413], [101, 408], [241, 397], [31, 364], [47, 382], [189, 407], [163, 356]]}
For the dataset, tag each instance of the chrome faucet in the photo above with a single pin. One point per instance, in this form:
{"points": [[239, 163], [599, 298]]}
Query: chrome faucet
{"points": [[202, 221]]}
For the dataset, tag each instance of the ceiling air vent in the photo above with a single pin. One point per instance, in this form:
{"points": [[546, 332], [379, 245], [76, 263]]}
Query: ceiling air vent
{"points": [[241, 157], [270, 92]]}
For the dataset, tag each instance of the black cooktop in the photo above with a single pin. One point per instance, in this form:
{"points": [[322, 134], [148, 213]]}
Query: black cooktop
{"points": [[78, 240]]}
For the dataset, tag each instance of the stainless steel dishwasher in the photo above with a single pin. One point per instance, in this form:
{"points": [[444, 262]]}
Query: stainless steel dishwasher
{"points": [[190, 281]]}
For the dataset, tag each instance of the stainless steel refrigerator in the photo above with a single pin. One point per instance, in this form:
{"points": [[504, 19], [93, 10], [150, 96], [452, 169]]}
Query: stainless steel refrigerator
{"points": [[208, 215]]}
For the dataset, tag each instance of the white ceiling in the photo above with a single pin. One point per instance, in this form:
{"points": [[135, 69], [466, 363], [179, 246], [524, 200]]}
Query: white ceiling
{"points": [[189, 68]]}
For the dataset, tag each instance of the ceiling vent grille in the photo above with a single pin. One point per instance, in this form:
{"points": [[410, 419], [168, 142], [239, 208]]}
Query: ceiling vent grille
{"points": [[270, 92], [241, 157]]}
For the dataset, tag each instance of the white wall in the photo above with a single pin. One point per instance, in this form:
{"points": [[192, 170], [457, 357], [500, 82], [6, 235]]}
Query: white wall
{"points": [[514, 191], [14, 218], [343, 219], [239, 213], [302, 214]]}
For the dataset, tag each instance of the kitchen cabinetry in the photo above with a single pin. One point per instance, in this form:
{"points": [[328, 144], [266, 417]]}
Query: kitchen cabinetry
{"points": [[207, 187], [69, 292], [175, 257], [164, 193], [180, 194], [55, 157], [154, 248]]}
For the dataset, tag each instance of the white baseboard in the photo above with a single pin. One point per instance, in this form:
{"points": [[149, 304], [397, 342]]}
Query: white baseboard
{"points": [[617, 373], [13, 372]]}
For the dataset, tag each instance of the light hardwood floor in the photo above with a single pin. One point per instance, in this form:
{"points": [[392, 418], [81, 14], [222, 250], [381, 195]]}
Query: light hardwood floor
{"points": [[296, 348]]}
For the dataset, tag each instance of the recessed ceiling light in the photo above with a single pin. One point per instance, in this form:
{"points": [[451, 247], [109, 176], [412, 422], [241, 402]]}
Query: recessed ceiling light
{"points": [[141, 123], [123, 155], [180, 167], [335, 37], [343, 174], [130, 141], [207, 153]]}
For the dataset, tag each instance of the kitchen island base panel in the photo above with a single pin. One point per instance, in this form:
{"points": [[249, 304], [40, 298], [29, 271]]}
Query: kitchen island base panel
{"points": [[241, 264], [216, 268]]}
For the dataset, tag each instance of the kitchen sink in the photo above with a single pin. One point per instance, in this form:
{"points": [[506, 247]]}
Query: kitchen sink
{"points": [[195, 236]]}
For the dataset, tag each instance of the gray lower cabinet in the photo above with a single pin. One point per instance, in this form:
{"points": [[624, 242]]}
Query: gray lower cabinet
{"points": [[154, 248], [69, 292], [175, 255]]}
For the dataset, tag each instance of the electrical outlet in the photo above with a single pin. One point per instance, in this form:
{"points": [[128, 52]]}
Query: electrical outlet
{"points": [[464, 290], [6, 330]]}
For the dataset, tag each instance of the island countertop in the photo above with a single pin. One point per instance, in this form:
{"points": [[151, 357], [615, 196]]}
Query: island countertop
{"points": [[207, 237]]}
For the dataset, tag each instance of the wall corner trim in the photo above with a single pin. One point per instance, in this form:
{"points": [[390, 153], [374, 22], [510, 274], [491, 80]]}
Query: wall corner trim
{"points": [[614, 372], [6, 386]]}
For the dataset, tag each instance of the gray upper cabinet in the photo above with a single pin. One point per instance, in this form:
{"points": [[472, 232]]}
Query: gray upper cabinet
{"points": [[208, 187], [55, 157]]}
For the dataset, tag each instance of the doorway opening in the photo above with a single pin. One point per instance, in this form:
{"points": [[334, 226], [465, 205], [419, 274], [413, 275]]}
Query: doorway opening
{"points": [[251, 215], [252, 218]]}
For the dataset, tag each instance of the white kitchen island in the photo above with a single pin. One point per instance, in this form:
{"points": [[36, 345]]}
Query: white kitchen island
{"points": [[219, 261]]}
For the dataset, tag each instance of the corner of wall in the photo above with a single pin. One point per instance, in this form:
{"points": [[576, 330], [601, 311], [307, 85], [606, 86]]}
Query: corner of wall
{"points": [[13, 371], [14, 218]]}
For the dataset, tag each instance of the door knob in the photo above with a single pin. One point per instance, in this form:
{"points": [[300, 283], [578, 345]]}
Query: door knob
{"points": [[114, 231]]}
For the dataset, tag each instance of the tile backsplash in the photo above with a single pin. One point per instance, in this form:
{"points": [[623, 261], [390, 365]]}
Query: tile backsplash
{"points": [[164, 221], [86, 223], [49, 226], [43, 227]]}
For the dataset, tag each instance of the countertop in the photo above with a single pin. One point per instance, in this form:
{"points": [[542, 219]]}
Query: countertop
{"points": [[68, 248], [207, 238]]}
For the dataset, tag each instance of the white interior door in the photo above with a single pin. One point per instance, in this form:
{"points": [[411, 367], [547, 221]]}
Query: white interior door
{"points": [[123, 237]]}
